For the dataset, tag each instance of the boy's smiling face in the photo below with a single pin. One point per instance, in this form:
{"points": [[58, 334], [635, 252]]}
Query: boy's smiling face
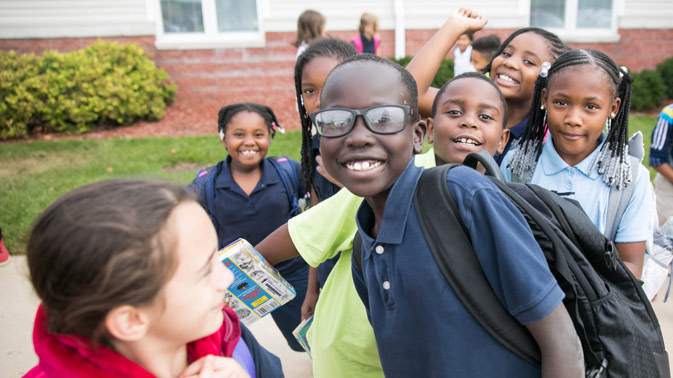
{"points": [[469, 118], [364, 162]]}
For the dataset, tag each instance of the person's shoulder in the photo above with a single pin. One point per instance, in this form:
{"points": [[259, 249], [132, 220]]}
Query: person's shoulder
{"points": [[667, 113], [468, 178]]}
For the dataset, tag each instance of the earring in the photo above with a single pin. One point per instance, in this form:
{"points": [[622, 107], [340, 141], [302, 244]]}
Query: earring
{"points": [[541, 107], [612, 115]]}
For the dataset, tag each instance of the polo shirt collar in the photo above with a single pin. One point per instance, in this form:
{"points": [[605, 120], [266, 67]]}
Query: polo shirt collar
{"points": [[224, 178], [517, 130], [397, 209], [552, 163]]}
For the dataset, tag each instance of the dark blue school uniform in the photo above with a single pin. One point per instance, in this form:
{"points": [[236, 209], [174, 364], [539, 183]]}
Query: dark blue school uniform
{"points": [[324, 189], [419, 323], [515, 133], [253, 217]]}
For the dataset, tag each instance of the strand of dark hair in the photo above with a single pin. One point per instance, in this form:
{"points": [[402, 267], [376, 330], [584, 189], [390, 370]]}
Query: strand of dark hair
{"points": [[330, 47]]}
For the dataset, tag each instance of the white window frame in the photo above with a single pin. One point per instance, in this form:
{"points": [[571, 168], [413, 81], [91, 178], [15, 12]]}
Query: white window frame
{"points": [[210, 38], [571, 33]]}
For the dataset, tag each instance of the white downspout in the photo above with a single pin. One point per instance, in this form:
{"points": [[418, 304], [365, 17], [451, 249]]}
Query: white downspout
{"points": [[400, 30]]}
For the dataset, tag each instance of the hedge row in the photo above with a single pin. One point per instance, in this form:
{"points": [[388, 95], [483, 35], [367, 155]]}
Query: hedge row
{"points": [[103, 84]]}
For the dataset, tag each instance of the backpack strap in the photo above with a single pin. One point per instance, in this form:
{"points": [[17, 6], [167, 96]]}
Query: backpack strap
{"points": [[205, 185], [451, 247], [290, 181], [619, 198], [357, 250]]}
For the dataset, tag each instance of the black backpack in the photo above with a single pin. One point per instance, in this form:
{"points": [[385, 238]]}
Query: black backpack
{"points": [[614, 320]]}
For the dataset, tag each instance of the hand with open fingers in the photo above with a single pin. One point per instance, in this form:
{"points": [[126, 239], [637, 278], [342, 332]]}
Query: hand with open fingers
{"points": [[214, 367], [468, 20], [321, 169]]}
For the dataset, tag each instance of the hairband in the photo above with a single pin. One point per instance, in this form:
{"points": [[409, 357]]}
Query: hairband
{"points": [[220, 132], [276, 127], [544, 71]]}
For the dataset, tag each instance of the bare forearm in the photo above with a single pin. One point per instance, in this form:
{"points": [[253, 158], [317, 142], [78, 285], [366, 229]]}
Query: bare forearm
{"points": [[633, 256], [665, 170], [560, 348], [277, 246]]}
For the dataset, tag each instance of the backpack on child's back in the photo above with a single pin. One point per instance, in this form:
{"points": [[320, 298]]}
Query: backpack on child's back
{"points": [[614, 320]]}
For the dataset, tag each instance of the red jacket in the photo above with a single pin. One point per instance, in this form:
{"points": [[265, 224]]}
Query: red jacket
{"points": [[73, 356]]}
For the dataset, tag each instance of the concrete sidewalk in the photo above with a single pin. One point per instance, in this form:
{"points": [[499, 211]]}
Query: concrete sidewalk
{"points": [[18, 304]]}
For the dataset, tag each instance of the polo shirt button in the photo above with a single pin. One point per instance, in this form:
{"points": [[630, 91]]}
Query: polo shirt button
{"points": [[379, 249], [569, 186], [572, 172], [386, 285]]}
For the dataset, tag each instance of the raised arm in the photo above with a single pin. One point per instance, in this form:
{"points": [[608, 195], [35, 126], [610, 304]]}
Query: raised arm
{"points": [[560, 348], [426, 62]]}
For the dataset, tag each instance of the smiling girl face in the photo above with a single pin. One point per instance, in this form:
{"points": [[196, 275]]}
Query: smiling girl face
{"points": [[246, 139]]}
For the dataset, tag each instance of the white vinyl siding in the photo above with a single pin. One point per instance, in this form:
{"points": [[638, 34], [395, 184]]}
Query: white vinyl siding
{"points": [[646, 14], [74, 18]]}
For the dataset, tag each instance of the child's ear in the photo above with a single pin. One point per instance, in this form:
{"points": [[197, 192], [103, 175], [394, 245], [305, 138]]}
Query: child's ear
{"points": [[430, 125], [543, 96], [504, 137], [127, 323], [614, 107], [420, 129]]}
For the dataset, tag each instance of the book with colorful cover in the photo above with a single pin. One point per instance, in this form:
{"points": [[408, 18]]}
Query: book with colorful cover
{"points": [[258, 288], [301, 332]]}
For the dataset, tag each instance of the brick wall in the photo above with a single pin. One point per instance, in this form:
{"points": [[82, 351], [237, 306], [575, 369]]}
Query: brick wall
{"points": [[209, 79]]}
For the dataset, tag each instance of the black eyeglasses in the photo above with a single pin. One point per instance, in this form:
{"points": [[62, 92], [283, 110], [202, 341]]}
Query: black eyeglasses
{"points": [[380, 119]]}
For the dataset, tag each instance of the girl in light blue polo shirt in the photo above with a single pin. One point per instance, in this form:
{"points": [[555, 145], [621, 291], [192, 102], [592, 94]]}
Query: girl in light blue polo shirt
{"points": [[574, 99]]}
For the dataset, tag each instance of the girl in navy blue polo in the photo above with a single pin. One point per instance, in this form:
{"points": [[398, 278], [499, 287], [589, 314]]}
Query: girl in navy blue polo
{"points": [[248, 195]]}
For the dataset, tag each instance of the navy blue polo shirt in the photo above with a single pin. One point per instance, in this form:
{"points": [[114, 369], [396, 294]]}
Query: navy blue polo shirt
{"points": [[255, 216], [515, 132], [419, 323]]}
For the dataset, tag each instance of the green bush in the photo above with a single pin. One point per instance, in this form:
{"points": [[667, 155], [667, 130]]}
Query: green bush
{"points": [[444, 73], [103, 84], [665, 70], [648, 90]]}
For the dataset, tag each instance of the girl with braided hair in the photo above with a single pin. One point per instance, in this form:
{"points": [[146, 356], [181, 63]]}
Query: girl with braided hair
{"points": [[583, 100], [247, 195]]}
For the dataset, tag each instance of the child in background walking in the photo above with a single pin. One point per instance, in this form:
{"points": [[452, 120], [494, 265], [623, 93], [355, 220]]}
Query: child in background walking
{"points": [[368, 40], [247, 195], [462, 54], [661, 159], [4, 253], [483, 49], [310, 26], [574, 98], [131, 286]]}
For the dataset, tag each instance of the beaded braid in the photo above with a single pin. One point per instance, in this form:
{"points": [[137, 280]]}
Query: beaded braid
{"points": [[612, 161], [227, 112], [329, 47]]}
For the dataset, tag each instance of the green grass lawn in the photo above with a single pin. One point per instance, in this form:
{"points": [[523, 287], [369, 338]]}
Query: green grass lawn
{"points": [[34, 174]]}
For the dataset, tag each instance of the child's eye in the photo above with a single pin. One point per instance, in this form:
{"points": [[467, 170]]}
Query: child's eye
{"points": [[238, 135], [592, 107], [560, 103], [529, 62], [308, 91], [485, 117], [453, 112]]}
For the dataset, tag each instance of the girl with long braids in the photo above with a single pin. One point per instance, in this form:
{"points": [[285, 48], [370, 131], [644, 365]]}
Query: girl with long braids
{"points": [[310, 72], [582, 158], [249, 197]]}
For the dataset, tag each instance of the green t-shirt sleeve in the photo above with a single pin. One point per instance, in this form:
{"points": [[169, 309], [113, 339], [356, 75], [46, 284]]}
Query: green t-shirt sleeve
{"points": [[325, 229]]}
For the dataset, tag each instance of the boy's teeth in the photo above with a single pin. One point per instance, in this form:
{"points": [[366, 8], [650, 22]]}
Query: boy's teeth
{"points": [[467, 141], [248, 152], [362, 166]]}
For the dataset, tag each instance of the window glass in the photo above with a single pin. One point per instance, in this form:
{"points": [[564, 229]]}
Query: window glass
{"points": [[182, 16], [594, 13], [547, 13], [236, 15]]}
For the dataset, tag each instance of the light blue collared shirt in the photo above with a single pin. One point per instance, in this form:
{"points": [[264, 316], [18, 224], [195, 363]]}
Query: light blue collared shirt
{"points": [[584, 184]]}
